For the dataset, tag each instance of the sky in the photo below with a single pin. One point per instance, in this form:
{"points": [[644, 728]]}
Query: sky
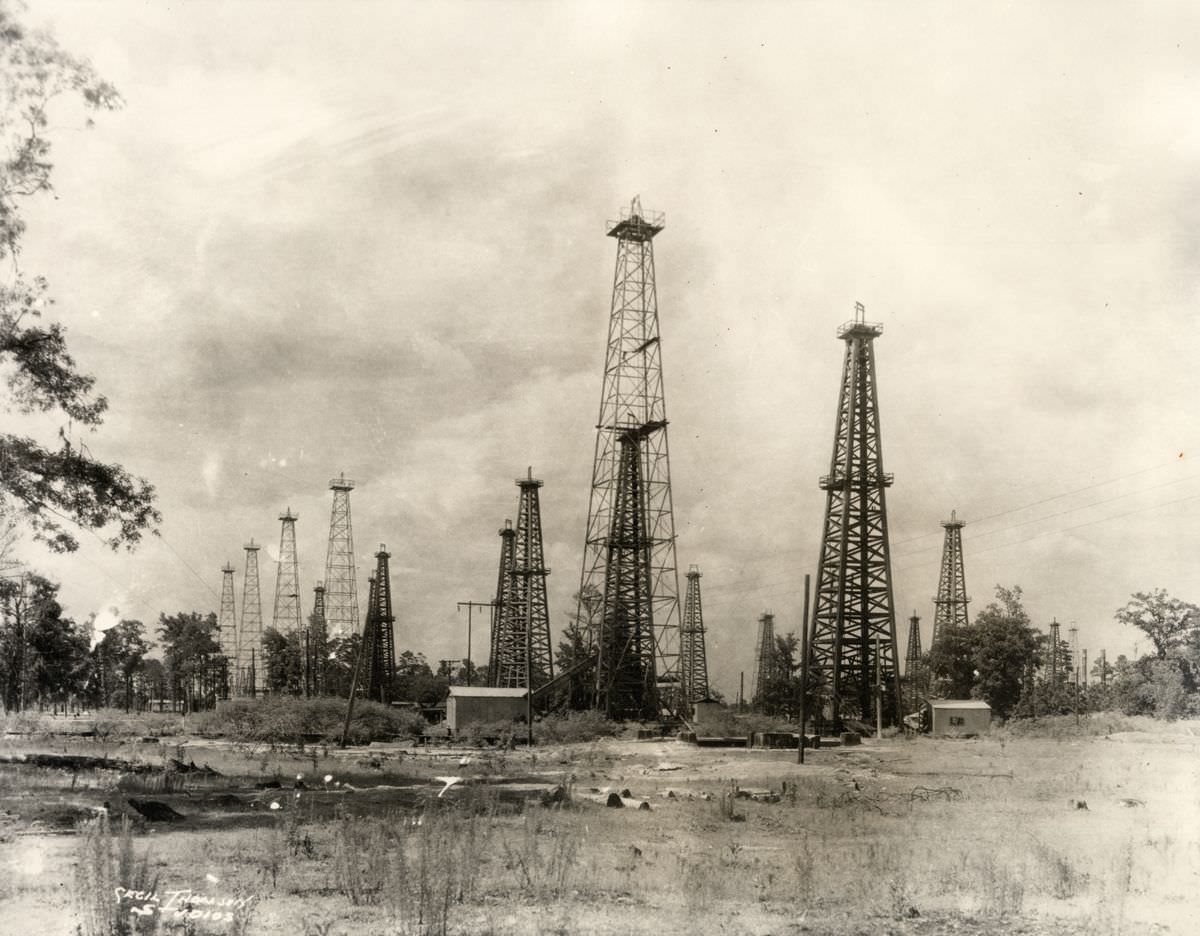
{"points": [[370, 238]]}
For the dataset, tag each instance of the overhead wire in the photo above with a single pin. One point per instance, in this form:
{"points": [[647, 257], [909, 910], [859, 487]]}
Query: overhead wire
{"points": [[765, 586]]}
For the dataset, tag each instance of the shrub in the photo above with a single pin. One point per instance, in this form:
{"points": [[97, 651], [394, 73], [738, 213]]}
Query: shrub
{"points": [[729, 724], [278, 720], [572, 727]]}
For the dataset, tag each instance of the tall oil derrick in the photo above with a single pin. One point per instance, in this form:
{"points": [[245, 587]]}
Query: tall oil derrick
{"points": [[341, 585], [227, 631], [500, 649], [524, 658], [693, 659], [379, 640], [950, 605], [626, 684], [764, 658], [914, 667], [318, 638], [1056, 656], [252, 673], [287, 618], [854, 618], [638, 621]]}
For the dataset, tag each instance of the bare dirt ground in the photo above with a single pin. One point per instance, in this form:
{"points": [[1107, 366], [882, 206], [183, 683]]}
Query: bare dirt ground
{"points": [[897, 836]]}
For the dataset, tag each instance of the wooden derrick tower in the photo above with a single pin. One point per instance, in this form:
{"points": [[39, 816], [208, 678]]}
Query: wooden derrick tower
{"points": [[693, 659], [629, 548], [501, 639], [914, 667], [522, 652], [341, 576], [951, 602], [227, 632], [287, 616], [379, 641], [251, 677], [854, 618], [764, 659]]}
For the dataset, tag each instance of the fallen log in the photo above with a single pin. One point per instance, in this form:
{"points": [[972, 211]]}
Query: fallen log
{"points": [[76, 762]]}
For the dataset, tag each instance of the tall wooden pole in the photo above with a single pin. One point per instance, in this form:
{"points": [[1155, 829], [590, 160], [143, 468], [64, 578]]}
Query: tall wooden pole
{"points": [[878, 694], [803, 675]]}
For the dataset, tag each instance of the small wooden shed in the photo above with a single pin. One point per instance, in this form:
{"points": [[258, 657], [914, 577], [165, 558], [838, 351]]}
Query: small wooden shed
{"points": [[473, 705], [961, 718], [705, 711]]}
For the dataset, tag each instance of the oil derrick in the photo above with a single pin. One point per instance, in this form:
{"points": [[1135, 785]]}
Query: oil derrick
{"points": [[286, 619], [626, 687], [914, 668], [504, 584], [251, 673], [524, 628], [854, 618], [379, 641], [341, 586], [318, 637], [693, 660], [1056, 655], [227, 631], [764, 659], [637, 636], [950, 605]]}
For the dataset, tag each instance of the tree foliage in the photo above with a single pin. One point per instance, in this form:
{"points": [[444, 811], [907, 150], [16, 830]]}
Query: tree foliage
{"points": [[990, 658], [43, 655], [191, 656], [117, 659], [57, 487], [1165, 620]]}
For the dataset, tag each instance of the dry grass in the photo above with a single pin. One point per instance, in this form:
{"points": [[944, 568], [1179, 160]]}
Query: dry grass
{"points": [[863, 840]]}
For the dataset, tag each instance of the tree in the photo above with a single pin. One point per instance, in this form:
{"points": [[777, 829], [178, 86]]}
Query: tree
{"points": [[990, 658], [42, 656], [151, 683], [118, 657], [951, 663], [1006, 649], [780, 693], [341, 654], [1165, 620], [283, 659], [191, 656], [416, 682], [1164, 691], [52, 488], [576, 648], [59, 650]]}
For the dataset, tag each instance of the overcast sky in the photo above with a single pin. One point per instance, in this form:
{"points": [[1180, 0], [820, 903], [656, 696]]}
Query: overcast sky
{"points": [[369, 238]]}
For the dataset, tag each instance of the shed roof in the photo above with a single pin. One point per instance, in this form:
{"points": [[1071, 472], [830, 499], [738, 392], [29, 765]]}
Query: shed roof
{"points": [[486, 692], [960, 704]]}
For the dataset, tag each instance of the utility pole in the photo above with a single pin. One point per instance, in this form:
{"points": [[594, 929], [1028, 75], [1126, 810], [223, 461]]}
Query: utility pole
{"points": [[878, 695], [803, 675], [471, 606]]}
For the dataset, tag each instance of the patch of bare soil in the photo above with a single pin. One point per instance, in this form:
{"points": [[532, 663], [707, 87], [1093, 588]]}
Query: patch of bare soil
{"points": [[904, 836]]}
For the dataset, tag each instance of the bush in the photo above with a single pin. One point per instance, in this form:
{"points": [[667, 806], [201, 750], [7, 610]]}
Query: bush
{"points": [[278, 720], [729, 724], [572, 727]]}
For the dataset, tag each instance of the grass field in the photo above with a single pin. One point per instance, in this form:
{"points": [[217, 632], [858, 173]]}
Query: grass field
{"points": [[897, 836]]}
